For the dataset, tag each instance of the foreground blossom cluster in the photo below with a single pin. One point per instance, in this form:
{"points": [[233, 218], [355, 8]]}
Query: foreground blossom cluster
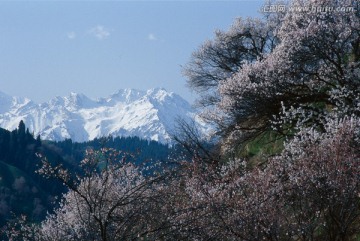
{"points": [[311, 191]]}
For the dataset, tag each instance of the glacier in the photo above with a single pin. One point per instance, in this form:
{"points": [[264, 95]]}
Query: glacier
{"points": [[150, 115]]}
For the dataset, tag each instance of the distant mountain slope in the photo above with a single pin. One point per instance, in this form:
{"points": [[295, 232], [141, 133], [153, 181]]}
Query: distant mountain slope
{"points": [[23, 191], [147, 114]]}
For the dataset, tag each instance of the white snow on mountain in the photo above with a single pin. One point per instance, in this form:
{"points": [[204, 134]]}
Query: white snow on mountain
{"points": [[148, 114]]}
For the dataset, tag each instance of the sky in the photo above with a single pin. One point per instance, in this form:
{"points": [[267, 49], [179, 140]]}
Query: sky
{"points": [[52, 48]]}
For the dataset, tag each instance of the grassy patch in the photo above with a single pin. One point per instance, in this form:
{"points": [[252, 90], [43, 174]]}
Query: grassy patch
{"points": [[261, 147]]}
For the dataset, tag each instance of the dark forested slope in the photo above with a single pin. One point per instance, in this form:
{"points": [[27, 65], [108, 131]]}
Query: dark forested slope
{"points": [[23, 191]]}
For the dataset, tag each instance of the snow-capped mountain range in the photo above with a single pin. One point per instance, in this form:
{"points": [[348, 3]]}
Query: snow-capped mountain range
{"points": [[150, 114]]}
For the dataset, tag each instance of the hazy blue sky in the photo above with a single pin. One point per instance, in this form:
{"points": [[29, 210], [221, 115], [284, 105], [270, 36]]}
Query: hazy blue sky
{"points": [[97, 47]]}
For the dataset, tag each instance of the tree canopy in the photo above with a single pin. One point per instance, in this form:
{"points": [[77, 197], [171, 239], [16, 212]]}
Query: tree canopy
{"points": [[309, 62]]}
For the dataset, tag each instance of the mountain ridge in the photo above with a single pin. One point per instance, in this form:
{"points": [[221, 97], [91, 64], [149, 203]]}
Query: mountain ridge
{"points": [[149, 114]]}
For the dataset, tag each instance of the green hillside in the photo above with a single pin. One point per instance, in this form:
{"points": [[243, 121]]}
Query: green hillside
{"points": [[20, 194]]}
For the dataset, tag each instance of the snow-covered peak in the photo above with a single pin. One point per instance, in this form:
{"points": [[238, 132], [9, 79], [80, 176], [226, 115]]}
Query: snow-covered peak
{"points": [[56, 101], [150, 114], [7, 102], [72, 102], [78, 101], [125, 96], [159, 94]]}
